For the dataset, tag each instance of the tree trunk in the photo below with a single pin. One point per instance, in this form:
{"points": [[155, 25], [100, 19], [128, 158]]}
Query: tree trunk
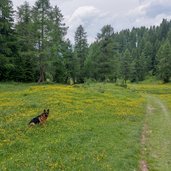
{"points": [[42, 75]]}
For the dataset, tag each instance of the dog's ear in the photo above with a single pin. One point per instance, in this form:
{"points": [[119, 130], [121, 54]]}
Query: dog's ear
{"points": [[44, 111], [48, 111]]}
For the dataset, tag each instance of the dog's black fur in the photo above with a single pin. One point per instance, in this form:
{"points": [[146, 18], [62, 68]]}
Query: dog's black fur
{"points": [[40, 119]]}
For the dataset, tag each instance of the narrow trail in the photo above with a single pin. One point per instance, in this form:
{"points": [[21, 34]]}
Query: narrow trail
{"points": [[156, 136], [163, 108]]}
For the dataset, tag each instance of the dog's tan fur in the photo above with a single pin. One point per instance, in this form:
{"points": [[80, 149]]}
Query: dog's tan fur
{"points": [[41, 119]]}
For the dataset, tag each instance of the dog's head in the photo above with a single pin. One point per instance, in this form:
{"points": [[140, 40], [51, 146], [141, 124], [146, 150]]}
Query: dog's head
{"points": [[46, 113]]}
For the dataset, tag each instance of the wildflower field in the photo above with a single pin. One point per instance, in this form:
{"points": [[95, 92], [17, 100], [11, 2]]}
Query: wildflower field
{"points": [[90, 127]]}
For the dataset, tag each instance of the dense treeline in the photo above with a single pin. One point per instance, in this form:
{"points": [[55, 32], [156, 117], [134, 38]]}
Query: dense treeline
{"points": [[34, 49]]}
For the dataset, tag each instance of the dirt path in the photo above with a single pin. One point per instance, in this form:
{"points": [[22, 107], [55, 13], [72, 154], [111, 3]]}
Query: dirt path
{"points": [[156, 137], [163, 108]]}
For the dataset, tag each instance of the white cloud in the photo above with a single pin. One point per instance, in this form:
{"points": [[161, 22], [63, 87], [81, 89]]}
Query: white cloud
{"points": [[122, 14], [139, 10], [84, 12], [149, 13], [90, 17]]}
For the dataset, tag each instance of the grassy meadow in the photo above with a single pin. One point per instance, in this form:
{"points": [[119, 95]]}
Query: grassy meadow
{"points": [[158, 123], [90, 127]]}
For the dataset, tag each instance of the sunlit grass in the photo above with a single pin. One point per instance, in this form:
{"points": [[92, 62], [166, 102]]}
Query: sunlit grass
{"points": [[152, 88], [90, 127], [158, 122]]}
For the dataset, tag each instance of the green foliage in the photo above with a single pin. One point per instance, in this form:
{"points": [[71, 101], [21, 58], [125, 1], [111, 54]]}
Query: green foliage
{"points": [[125, 66], [164, 62], [8, 48], [91, 63], [80, 52], [107, 61], [106, 53], [35, 49], [102, 62], [41, 46], [26, 60], [138, 67]]}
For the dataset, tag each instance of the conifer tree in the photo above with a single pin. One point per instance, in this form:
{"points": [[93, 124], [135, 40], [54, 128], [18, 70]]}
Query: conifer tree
{"points": [[106, 60], [8, 48], [164, 62], [57, 46], [80, 52], [125, 66], [26, 60], [41, 18]]}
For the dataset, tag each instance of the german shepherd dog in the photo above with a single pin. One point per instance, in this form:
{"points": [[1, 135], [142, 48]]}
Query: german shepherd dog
{"points": [[40, 119]]}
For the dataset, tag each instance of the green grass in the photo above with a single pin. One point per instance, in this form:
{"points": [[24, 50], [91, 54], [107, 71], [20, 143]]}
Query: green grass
{"points": [[158, 122], [90, 127], [158, 145]]}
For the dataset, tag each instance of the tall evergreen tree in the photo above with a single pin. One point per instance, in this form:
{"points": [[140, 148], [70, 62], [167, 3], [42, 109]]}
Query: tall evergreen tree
{"points": [[8, 49], [41, 18], [69, 61], [26, 61], [137, 67], [57, 45], [125, 66], [148, 52], [163, 29], [106, 61], [80, 51], [164, 62], [91, 63]]}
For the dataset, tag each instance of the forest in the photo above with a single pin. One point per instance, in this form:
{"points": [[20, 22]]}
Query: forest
{"points": [[34, 48]]}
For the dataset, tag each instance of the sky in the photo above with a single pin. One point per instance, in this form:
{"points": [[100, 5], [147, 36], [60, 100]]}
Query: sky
{"points": [[120, 14]]}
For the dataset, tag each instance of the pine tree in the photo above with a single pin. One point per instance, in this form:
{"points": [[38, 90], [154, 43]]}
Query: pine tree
{"points": [[91, 62], [57, 46], [26, 60], [125, 66], [164, 62], [80, 51], [57, 27], [148, 52], [69, 61], [8, 49], [137, 66], [106, 60], [41, 18]]}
